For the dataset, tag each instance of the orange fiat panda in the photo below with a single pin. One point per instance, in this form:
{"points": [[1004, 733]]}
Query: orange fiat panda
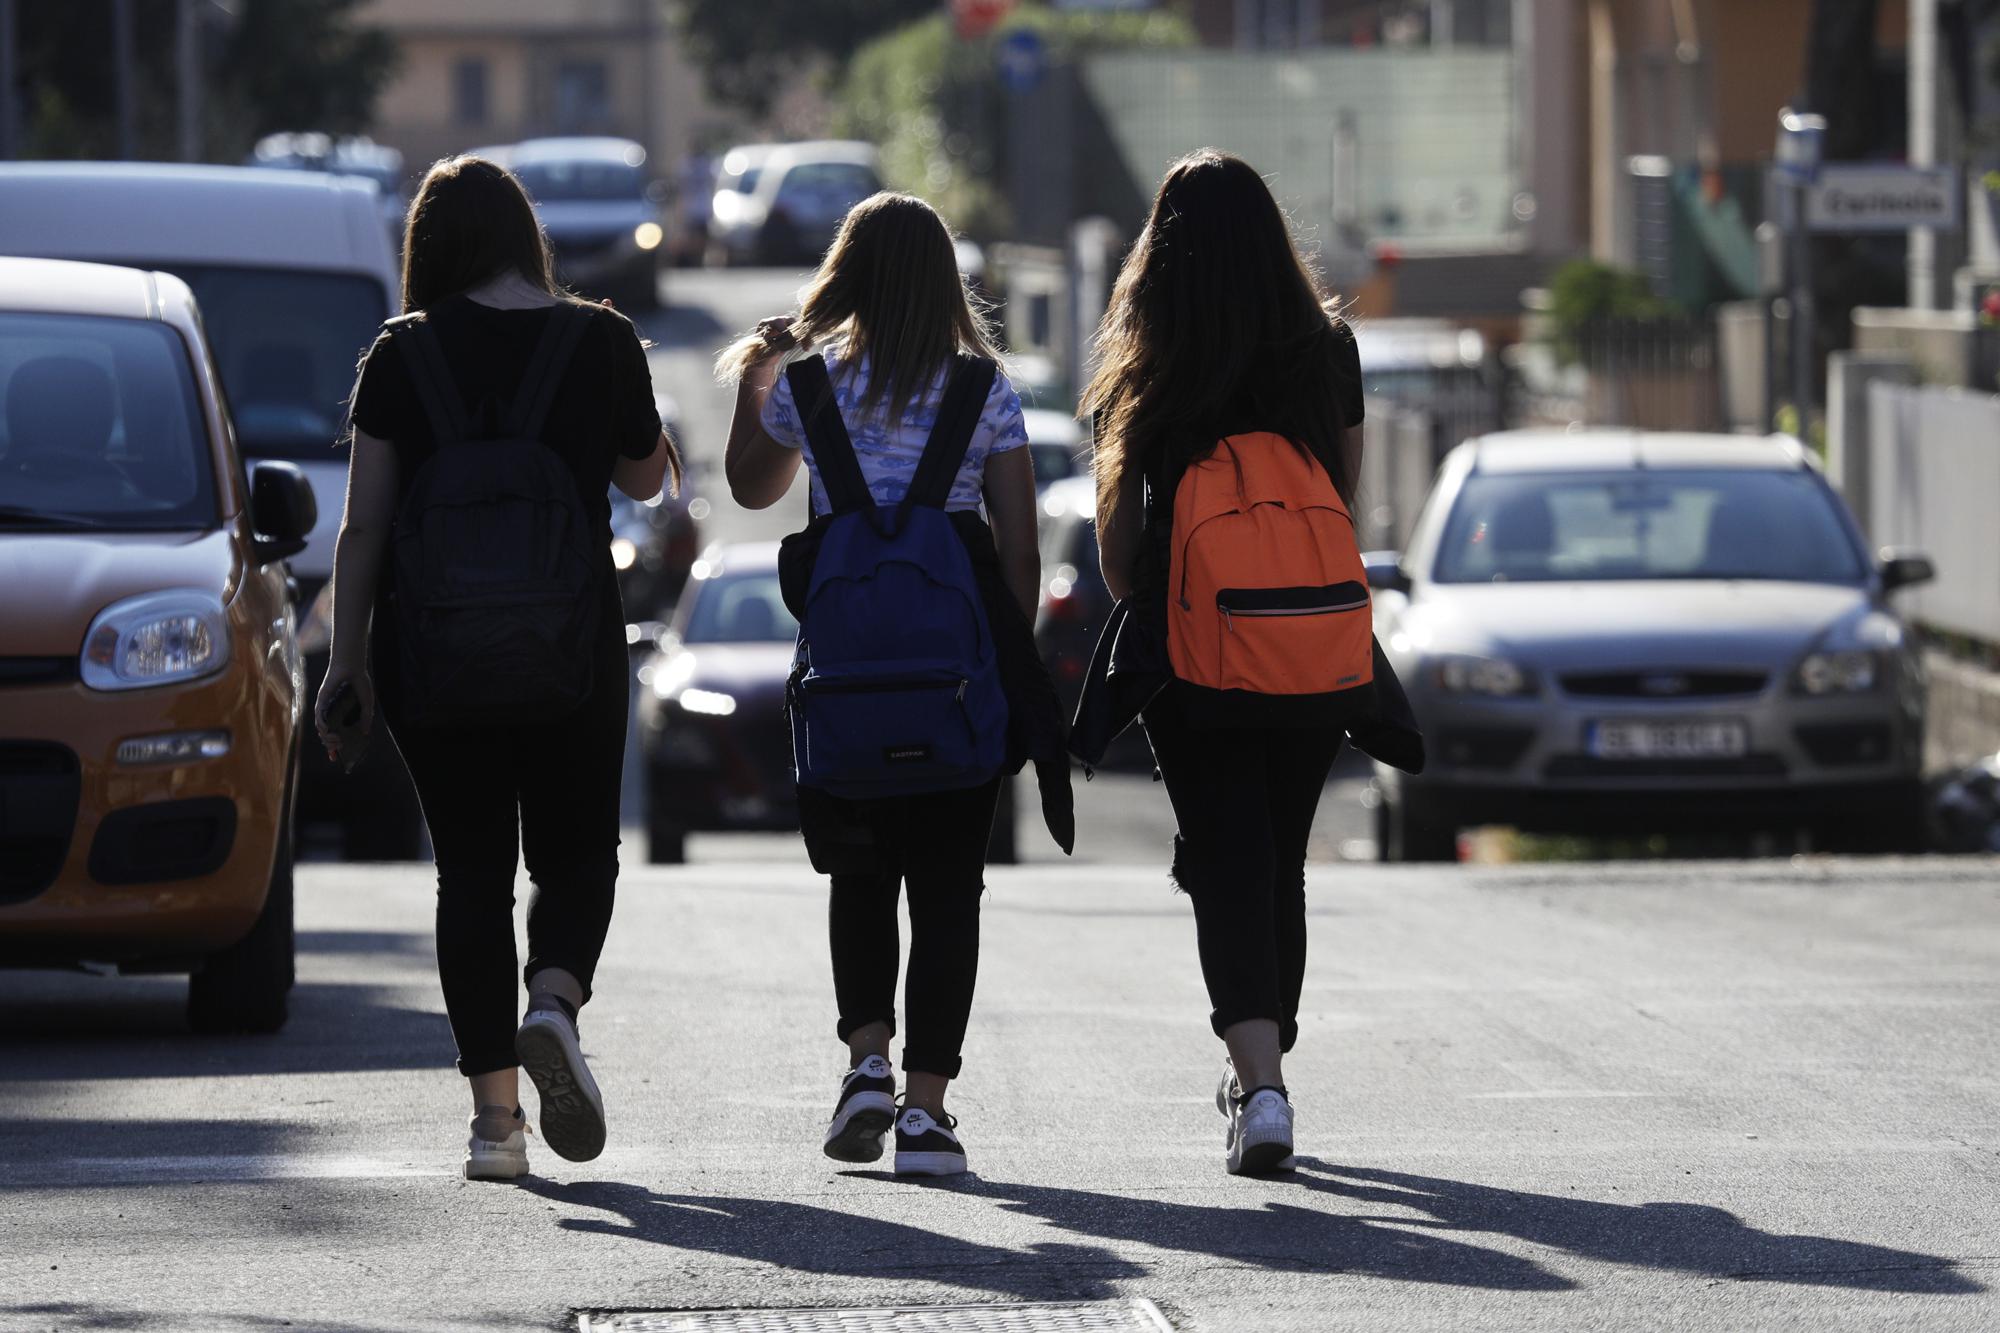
{"points": [[150, 678]]}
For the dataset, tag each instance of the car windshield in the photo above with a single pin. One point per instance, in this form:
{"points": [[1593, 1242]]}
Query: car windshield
{"points": [[286, 342], [834, 186], [1053, 462], [740, 608], [100, 426], [563, 181], [1544, 528]]}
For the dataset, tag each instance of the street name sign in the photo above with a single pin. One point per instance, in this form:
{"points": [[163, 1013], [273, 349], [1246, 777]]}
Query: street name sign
{"points": [[1855, 197]]}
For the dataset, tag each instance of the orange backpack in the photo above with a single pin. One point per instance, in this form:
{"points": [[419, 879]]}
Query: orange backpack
{"points": [[1266, 593]]}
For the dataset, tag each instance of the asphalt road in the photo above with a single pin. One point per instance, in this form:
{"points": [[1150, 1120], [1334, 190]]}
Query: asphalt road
{"points": [[1732, 1095]]}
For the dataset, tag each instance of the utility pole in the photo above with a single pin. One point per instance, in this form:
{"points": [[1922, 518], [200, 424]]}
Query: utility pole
{"points": [[187, 51], [1923, 149], [123, 77], [10, 130]]}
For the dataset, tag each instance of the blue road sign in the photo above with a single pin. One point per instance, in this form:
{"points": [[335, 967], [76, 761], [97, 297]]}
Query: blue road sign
{"points": [[1023, 58]]}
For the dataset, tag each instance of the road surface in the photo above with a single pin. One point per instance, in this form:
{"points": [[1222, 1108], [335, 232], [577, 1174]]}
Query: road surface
{"points": [[1732, 1095]]}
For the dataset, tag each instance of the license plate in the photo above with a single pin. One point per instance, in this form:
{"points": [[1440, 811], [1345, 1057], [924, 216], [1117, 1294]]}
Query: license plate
{"points": [[1667, 740]]}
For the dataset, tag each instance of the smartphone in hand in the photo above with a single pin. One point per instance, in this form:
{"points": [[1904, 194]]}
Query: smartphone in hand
{"points": [[343, 719]]}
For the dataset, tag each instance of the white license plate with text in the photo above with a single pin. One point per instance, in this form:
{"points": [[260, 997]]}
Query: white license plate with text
{"points": [[1667, 740]]}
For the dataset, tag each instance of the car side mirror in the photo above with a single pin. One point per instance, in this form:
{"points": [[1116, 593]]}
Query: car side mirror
{"points": [[1905, 569], [1385, 571], [282, 510]]}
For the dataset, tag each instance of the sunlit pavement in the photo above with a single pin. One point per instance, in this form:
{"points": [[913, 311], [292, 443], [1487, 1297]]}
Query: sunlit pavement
{"points": [[1705, 1096]]}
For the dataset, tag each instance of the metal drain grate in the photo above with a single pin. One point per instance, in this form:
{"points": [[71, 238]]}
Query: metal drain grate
{"points": [[1132, 1316]]}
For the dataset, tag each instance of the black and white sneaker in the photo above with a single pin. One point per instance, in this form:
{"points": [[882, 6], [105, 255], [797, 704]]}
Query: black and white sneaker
{"points": [[926, 1146], [572, 1108], [1260, 1133], [866, 1109]]}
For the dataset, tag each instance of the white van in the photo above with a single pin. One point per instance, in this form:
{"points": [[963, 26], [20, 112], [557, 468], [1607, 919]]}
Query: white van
{"points": [[294, 273]]}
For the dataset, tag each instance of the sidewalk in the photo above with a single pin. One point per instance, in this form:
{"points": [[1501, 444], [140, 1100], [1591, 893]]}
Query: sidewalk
{"points": [[1699, 1096]]}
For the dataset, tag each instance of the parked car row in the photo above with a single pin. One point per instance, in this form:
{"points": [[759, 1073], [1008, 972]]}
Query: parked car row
{"points": [[151, 685], [782, 203]]}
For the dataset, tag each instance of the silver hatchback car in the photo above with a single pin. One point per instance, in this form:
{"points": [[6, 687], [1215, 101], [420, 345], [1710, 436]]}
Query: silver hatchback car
{"points": [[1614, 632]]}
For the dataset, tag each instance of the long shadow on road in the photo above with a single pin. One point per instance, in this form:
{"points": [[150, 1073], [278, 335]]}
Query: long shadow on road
{"points": [[1684, 1237], [829, 1242], [66, 1026]]}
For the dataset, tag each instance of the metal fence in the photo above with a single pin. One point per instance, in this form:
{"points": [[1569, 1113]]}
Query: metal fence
{"points": [[1933, 482]]}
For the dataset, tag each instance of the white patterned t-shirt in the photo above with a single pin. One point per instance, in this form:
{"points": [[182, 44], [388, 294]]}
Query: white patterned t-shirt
{"points": [[889, 450]]}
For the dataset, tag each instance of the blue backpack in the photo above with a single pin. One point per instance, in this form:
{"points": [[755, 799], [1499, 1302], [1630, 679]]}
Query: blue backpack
{"points": [[896, 690]]}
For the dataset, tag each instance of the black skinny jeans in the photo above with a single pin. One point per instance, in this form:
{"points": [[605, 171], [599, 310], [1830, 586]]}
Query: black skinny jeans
{"points": [[936, 845], [1244, 799], [552, 788]]}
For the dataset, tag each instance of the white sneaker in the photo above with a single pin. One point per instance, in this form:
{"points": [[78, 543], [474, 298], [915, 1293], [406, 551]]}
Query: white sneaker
{"points": [[1227, 1090], [926, 1147], [866, 1109], [1260, 1133], [572, 1115], [497, 1159]]}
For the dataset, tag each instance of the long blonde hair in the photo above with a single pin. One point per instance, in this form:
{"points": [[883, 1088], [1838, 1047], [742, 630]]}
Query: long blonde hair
{"points": [[889, 286]]}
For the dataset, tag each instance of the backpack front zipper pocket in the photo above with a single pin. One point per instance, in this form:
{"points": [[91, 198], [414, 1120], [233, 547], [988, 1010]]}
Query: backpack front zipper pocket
{"points": [[1293, 640]]}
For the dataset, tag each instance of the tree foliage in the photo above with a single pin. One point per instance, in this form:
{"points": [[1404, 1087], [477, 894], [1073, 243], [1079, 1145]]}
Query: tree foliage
{"points": [[268, 65], [749, 49], [933, 102]]}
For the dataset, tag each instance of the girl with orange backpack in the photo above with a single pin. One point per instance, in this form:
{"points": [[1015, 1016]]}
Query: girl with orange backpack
{"points": [[1226, 402]]}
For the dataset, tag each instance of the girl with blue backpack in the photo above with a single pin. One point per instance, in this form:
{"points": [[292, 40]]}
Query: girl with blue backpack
{"points": [[917, 688]]}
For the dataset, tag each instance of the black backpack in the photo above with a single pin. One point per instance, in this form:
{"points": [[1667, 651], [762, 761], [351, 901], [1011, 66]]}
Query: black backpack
{"points": [[495, 576]]}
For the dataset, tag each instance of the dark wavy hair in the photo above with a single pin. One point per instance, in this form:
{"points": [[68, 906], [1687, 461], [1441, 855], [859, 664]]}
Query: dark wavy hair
{"points": [[1216, 325], [471, 221]]}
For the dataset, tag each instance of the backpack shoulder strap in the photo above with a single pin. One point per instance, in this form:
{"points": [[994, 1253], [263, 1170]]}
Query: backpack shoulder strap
{"points": [[430, 376], [539, 382], [833, 450], [958, 417]]}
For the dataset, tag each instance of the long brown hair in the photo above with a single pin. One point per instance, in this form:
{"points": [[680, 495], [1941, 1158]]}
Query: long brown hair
{"points": [[1215, 324], [471, 222], [890, 285]]}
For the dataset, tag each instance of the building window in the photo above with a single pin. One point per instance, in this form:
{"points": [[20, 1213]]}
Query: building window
{"points": [[583, 94], [468, 91]]}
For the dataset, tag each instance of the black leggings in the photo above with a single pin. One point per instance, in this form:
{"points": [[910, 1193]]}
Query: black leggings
{"points": [[555, 787], [1244, 799], [936, 845]]}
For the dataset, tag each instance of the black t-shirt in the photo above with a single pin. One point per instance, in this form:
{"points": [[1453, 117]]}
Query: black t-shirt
{"points": [[603, 410]]}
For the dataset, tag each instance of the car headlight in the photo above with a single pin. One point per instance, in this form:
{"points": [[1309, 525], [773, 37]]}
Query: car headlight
{"points": [[1494, 677], [1851, 672], [160, 638], [624, 552], [648, 235], [713, 703]]}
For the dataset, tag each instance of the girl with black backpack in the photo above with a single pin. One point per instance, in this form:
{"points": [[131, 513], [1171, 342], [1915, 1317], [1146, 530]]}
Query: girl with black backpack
{"points": [[917, 686], [489, 422], [1226, 402]]}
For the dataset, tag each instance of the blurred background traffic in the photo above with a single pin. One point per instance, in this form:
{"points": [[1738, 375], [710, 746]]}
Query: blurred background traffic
{"points": [[1679, 319]]}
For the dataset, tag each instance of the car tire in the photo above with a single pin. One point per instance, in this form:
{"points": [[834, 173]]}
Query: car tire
{"points": [[1899, 827], [246, 988], [1406, 831], [666, 841]]}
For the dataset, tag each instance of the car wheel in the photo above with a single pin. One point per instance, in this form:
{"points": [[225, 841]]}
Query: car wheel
{"points": [[666, 841], [1897, 828], [1406, 831], [247, 987]]}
